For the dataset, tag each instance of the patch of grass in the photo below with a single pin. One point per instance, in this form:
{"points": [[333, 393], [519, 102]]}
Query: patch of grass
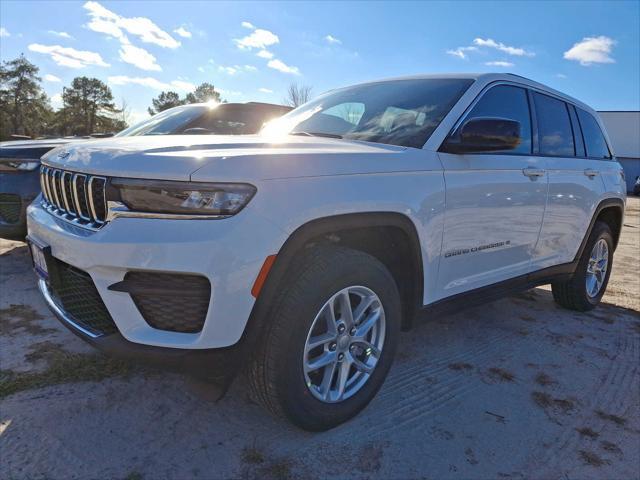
{"points": [[280, 470], [460, 366], [527, 318], [134, 476], [612, 418], [501, 374], [42, 351], [16, 319], [370, 458], [546, 401], [544, 380], [610, 447], [252, 455], [543, 400], [588, 432], [565, 404], [591, 458], [64, 367]]}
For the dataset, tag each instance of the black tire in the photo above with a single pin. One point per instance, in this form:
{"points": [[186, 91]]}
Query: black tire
{"points": [[276, 375], [572, 294]]}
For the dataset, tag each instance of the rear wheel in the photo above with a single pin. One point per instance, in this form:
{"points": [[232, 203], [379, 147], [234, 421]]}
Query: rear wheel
{"points": [[330, 340], [584, 290]]}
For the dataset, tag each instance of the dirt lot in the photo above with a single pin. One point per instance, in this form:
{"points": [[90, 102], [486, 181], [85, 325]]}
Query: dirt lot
{"points": [[516, 388]]}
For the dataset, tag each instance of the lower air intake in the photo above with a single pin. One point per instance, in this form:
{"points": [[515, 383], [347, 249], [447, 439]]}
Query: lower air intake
{"points": [[169, 301], [77, 295]]}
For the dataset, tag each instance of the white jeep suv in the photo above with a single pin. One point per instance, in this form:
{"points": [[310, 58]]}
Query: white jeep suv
{"points": [[300, 253]]}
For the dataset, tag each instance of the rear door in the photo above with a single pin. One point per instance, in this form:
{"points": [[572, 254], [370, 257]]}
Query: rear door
{"points": [[569, 140], [494, 202]]}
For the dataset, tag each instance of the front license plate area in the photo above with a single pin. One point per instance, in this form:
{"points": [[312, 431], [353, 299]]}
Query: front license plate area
{"points": [[39, 260], [43, 262]]}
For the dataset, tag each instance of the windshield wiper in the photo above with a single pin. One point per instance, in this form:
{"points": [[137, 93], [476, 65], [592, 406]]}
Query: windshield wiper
{"points": [[316, 134]]}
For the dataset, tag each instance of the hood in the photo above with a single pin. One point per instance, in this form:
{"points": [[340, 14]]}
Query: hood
{"points": [[32, 149], [221, 157]]}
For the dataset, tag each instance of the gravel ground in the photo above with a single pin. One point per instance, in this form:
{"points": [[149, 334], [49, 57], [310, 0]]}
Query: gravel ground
{"points": [[512, 389]]}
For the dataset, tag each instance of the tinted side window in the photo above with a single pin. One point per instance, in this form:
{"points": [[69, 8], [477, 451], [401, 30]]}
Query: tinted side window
{"points": [[554, 127], [507, 102], [577, 132], [593, 137]]}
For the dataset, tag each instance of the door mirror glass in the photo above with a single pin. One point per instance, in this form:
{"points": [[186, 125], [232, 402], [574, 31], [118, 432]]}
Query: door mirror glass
{"points": [[485, 134]]}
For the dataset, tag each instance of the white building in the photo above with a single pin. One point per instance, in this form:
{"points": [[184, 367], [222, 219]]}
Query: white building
{"points": [[624, 131]]}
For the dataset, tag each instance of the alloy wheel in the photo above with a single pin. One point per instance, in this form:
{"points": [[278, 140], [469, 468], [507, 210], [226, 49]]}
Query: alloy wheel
{"points": [[344, 344]]}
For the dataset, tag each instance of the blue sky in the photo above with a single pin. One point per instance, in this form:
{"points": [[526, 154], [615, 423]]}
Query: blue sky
{"points": [[253, 51]]}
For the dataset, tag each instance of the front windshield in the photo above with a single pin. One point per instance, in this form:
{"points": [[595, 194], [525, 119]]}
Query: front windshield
{"points": [[222, 119], [400, 112], [165, 123]]}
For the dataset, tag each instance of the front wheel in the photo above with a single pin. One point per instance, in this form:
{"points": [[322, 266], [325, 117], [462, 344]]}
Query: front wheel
{"points": [[584, 290], [330, 340]]}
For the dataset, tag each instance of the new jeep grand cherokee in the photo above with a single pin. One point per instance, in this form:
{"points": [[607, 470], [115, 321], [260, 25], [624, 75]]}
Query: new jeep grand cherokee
{"points": [[300, 253]]}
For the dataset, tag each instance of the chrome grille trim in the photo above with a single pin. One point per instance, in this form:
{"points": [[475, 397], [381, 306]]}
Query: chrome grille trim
{"points": [[92, 207], [80, 196], [63, 191], [70, 196], [43, 184], [55, 184]]}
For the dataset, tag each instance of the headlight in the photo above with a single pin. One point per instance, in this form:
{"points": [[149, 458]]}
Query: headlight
{"points": [[189, 198], [23, 164]]}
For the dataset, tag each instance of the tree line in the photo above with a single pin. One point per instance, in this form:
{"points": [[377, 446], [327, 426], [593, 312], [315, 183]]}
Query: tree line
{"points": [[88, 106]]}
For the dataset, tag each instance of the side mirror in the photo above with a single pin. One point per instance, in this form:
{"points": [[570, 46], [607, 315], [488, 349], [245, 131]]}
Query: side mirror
{"points": [[484, 134]]}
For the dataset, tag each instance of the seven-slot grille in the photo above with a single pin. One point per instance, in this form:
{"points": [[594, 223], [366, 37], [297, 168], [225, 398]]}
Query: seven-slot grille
{"points": [[76, 197]]}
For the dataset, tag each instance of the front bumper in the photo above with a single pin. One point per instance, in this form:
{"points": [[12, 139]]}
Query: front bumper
{"points": [[213, 365], [228, 252]]}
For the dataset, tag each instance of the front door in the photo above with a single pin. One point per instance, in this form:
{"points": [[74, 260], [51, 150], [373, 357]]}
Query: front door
{"points": [[495, 203]]}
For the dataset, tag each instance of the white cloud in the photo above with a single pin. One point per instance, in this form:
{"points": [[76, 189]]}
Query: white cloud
{"points": [[105, 21], [591, 50], [461, 52], [150, 82], [182, 85], [561, 75], [60, 34], [259, 38], [248, 25], [227, 70], [232, 70], [283, 67], [4, 32], [499, 63], [69, 57], [183, 32], [56, 101], [265, 90], [265, 54], [332, 39], [51, 78], [139, 57], [201, 69], [233, 93], [519, 52]]}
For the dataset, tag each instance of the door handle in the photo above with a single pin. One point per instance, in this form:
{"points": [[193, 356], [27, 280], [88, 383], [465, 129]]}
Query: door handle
{"points": [[591, 173], [533, 172]]}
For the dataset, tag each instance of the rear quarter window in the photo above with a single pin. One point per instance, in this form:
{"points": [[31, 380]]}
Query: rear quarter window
{"points": [[594, 140]]}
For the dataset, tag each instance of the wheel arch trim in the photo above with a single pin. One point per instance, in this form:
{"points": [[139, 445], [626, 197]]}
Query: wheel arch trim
{"points": [[607, 203], [323, 226]]}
